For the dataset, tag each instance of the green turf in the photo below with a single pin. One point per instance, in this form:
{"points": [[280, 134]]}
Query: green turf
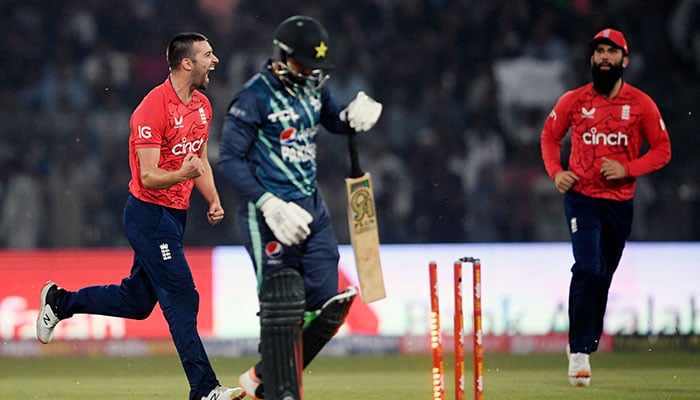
{"points": [[619, 376]]}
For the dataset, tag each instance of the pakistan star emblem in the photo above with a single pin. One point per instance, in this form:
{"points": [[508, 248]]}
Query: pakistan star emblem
{"points": [[321, 50]]}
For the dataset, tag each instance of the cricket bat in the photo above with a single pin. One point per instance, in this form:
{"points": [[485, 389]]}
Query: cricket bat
{"points": [[364, 232]]}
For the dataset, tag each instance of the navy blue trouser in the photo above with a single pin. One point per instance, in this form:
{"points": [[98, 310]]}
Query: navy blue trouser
{"points": [[599, 229], [160, 273]]}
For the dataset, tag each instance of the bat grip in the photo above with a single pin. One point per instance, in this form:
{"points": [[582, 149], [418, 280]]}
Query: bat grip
{"points": [[355, 170]]}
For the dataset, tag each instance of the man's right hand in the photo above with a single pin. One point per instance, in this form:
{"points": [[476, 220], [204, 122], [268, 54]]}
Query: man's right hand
{"points": [[287, 220], [564, 180], [192, 167]]}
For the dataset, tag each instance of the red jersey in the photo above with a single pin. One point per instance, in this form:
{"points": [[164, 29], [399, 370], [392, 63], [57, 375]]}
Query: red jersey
{"points": [[162, 120], [611, 128]]}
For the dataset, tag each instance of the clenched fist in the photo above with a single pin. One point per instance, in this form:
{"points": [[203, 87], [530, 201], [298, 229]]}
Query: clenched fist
{"points": [[192, 167]]}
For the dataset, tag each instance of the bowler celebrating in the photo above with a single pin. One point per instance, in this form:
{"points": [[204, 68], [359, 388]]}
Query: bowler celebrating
{"points": [[168, 158]]}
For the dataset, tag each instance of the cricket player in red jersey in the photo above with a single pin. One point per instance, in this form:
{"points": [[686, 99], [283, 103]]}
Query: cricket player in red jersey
{"points": [[609, 121], [168, 158]]}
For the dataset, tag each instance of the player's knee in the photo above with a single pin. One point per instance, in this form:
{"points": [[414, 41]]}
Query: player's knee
{"points": [[186, 300], [142, 310], [593, 272], [282, 298]]}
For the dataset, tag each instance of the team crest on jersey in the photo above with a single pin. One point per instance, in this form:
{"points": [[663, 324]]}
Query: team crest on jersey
{"points": [[625, 115], [178, 122], [588, 113], [288, 136], [274, 250]]}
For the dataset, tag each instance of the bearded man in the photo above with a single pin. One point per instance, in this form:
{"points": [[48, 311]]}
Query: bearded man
{"points": [[609, 121]]}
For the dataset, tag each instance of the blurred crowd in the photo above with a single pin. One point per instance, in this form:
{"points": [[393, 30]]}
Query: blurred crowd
{"points": [[466, 86]]}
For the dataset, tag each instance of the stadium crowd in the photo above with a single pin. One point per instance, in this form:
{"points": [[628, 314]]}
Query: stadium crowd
{"points": [[466, 86]]}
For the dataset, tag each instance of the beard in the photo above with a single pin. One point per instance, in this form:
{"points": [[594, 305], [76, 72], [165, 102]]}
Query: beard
{"points": [[604, 80], [203, 83]]}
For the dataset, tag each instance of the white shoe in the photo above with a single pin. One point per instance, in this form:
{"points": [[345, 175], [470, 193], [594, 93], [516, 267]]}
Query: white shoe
{"points": [[224, 393], [579, 370], [250, 382], [47, 320]]}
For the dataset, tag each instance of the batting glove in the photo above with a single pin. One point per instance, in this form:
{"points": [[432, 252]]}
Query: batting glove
{"points": [[288, 222], [362, 113]]}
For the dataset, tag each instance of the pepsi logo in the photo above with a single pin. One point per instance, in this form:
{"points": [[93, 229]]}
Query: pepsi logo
{"points": [[288, 136], [273, 250]]}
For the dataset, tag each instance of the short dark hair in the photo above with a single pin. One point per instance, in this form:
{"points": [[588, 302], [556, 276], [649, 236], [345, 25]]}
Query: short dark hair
{"points": [[180, 47]]}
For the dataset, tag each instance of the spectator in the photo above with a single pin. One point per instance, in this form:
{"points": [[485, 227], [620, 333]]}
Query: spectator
{"points": [[23, 210]]}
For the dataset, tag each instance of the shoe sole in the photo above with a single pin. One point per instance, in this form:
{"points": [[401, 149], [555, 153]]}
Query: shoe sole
{"points": [[580, 380], [44, 292]]}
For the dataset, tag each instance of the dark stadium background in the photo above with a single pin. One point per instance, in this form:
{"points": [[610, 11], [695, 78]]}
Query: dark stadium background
{"points": [[455, 155]]}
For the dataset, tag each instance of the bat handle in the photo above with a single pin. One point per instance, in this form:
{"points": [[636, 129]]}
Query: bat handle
{"points": [[355, 170]]}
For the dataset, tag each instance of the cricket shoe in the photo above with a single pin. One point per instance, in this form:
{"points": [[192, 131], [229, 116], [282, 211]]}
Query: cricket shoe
{"points": [[224, 393], [579, 370], [47, 320], [252, 384]]}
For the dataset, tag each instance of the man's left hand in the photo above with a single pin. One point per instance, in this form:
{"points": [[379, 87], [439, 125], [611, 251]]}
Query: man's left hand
{"points": [[612, 169], [215, 213]]}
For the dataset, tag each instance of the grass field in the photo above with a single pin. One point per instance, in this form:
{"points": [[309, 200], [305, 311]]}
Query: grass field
{"points": [[618, 376]]}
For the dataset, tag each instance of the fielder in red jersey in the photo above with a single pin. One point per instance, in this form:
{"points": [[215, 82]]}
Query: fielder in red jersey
{"points": [[168, 158], [610, 129], [609, 122]]}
